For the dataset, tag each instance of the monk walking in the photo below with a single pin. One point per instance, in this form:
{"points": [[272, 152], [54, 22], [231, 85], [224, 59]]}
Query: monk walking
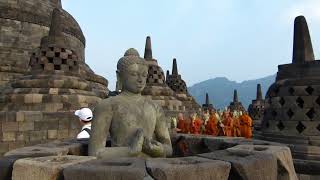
{"points": [[228, 123], [211, 127], [183, 126], [236, 124], [246, 125], [196, 124]]}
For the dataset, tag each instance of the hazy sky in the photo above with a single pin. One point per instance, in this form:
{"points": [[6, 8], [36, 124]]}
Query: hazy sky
{"points": [[238, 39]]}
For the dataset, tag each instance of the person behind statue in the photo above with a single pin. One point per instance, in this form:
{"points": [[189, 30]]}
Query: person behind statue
{"points": [[211, 127], [245, 125], [236, 124], [137, 126], [227, 122], [85, 117], [220, 125], [196, 124], [183, 125]]}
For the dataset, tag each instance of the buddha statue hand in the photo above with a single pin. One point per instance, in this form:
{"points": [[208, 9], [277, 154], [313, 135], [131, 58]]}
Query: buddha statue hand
{"points": [[137, 142], [153, 148]]}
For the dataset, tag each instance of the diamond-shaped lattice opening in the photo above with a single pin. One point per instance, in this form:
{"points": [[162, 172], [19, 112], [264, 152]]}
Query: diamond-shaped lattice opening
{"points": [[269, 101], [290, 113], [309, 90], [57, 67], [291, 91], [300, 102], [267, 124], [311, 113], [276, 90], [318, 127], [50, 60], [274, 114], [280, 126], [64, 61], [300, 127], [282, 101]]}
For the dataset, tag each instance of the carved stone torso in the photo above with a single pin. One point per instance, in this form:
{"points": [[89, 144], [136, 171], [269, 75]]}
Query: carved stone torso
{"points": [[129, 114]]}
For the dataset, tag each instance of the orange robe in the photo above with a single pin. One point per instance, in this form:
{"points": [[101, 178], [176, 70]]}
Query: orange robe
{"points": [[236, 127], [196, 126], [246, 126], [228, 125], [183, 126], [211, 126]]}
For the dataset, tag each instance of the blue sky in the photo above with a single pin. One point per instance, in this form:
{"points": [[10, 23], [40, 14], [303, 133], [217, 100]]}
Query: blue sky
{"points": [[237, 39]]}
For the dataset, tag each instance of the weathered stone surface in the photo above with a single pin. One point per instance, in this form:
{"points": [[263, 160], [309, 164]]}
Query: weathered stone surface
{"points": [[56, 81], [121, 168], [179, 86], [247, 165], [188, 145], [73, 147], [293, 103], [286, 169], [188, 168], [307, 167], [45, 168], [156, 87], [236, 105], [256, 109], [37, 151]]}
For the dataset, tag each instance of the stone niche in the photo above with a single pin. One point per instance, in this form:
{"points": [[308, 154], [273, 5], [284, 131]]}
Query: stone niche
{"points": [[195, 157]]}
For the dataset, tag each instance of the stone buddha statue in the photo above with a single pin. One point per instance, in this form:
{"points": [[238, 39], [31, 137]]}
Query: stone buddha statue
{"points": [[136, 125]]}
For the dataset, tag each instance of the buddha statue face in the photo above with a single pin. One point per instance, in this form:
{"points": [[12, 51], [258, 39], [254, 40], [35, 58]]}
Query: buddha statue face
{"points": [[132, 72], [134, 79]]}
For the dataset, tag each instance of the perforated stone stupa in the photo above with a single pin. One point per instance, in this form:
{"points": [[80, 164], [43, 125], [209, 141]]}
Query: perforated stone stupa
{"points": [[23, 24], [39, 106], [256, 109], [179, 86], [236, 105], [156, 86], [293, 104]]}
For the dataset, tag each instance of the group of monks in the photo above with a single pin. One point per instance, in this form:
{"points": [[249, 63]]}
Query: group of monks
{"points": [[222, 123]]}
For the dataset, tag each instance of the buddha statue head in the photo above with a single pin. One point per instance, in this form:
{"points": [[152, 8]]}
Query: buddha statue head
{"points": [[131, 72]]}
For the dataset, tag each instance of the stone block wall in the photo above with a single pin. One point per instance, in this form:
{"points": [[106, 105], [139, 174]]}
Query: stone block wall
{"points": [[24, 128]]}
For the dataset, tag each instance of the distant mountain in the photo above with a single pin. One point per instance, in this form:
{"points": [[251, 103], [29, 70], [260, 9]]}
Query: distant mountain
{"points": [[220, 90]]}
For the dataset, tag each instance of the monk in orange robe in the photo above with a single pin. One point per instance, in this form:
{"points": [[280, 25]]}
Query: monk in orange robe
{"points": [[195, 125], [183, 125], [236, 125], [211, 127], [228, 123], [246, 125]]}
